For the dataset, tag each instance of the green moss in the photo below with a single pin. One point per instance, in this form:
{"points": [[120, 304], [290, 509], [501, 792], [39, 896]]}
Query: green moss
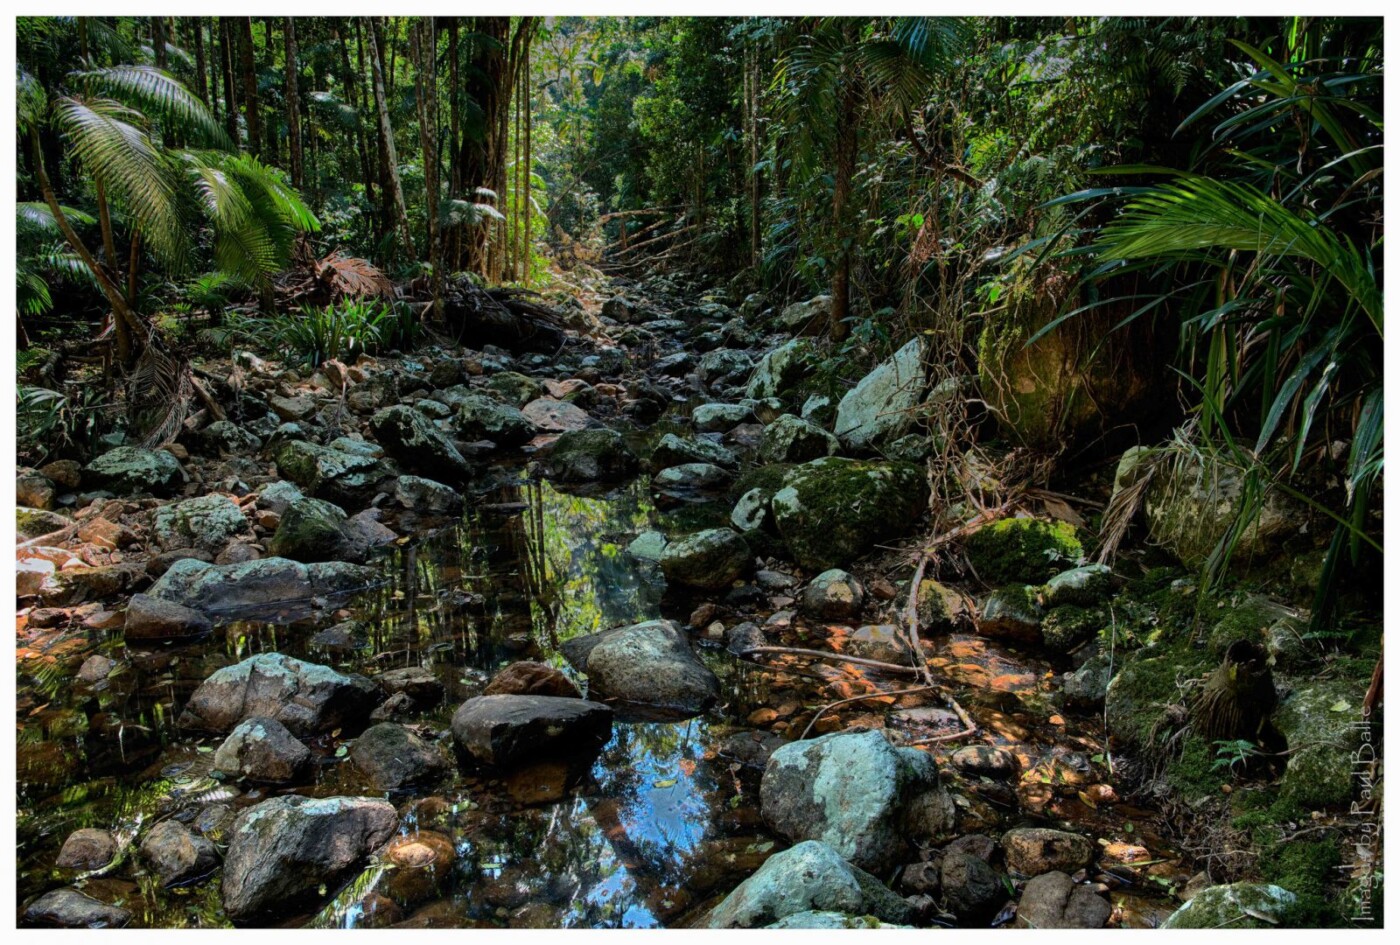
{"points": [[1194, 775], [1023, 550], [1138, 699], [1250, 620], [768, 478], [1308, 869], [1066, 627], [831, 510]]}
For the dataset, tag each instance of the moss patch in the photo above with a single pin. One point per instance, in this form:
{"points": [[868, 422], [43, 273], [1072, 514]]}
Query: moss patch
{"points": [[1023, 550]]}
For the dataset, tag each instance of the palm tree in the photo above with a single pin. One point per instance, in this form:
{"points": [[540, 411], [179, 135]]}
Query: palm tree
{"points": [[118, 121], [847, 72]]}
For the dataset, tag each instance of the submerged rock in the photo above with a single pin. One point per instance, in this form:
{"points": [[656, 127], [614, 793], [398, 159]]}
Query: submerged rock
{"points": [[391, 757], [150, 618], [177, 855], [507, 730], [284, 851], [811, 876], [305, 697], [590, 456], [880, 408], [88, 848], [646, 664], [70, 909], [129, 469], [831, 510], [1031, 851], [855, 791], [1236, 906], [410, 438], [711, 559], [262, 750]]}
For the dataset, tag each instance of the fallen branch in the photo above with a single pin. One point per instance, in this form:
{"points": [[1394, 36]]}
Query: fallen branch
{"points": [[835, 657], [882, 694]]}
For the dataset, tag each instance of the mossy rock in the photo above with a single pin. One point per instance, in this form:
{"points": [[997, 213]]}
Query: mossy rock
{"points": [[1236, 906], [1068, 626], [832, 510], [1023, 550], [1249, 620], [1138, 699], [1321, 720], [940, 608]]}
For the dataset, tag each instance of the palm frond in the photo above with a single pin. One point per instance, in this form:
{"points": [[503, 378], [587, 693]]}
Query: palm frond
{"points": [[158, 94]]}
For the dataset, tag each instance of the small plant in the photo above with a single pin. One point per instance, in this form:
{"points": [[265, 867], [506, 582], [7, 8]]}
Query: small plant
{"points": [[1233, 755], [47, 420], [340, 332]]}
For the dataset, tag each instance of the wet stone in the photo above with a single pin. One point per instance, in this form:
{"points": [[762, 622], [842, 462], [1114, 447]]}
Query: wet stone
{"points": [[262, 750], [1053, 901], [501, 731], [530, 678], [305, 697], [68, 908], [87, 849], [1032, 851], [177, 855], [392, 757]]}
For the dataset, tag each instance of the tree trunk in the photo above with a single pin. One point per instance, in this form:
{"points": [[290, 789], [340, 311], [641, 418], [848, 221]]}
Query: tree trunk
{"points": [[201, 88], [158, 42], [250, 87], [846, 149], [272, 150], [386, 138], [425, 49], [226, 67], [350, 78], [289, 37]]}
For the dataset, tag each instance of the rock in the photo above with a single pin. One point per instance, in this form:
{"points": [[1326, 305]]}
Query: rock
{"points": [[719, 418], [1192, 502], [711, 559], [87, 849], [971, 889], [1023, 550], [178, 856], [503, 731], [831, 510], [151, 618], [880, 408], [392, 758], [66, 473], [425, 495], [753, 511], [222, 590], [313, 530], [742, 637], [326, 473], [833, 595], [858, 793], [34, 490], [411, 439], [723, 367], [278, 496], [481, 418], [417, 682], [283, 851], [975, 844], [70, 909], [882, 641], [815, 919], [528, 678], [1067, 627], [819, 409], [590, 456], [940, 608], [106, 534], [307, 698], [556, 416], [157, 565], [129, 469], [986, 761], [516, 388], [809, 318], [781, 370], [96, 669], [292, 409], [261, 749], [790, 439], [1012, 613], [648, 664], [1053, 901], [809, 876], [691, 477], [647, 546], [619, 309], [673, 450], [1086, 687], [225, 438], [1236, 906], [36, 523], [1327, 738], [1084, 586], [1032, 851]]}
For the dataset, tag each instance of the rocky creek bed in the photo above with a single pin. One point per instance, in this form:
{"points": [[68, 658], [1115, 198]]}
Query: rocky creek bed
{"points": [[534, 639]]}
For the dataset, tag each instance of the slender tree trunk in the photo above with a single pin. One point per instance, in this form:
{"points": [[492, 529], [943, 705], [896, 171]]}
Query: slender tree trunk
{"points": [[755, 176], [527, 244], [846, 149], [200, 87], [386, 137], [250, 87], [425, 49], [351, 80], [126, 326], [272, 152], [230, 90], [158, 42], [83, 39], [289, 36]]}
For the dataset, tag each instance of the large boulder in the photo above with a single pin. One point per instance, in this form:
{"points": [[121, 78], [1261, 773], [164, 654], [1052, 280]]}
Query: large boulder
{"points": [[712, 559], [791, 439], [481, 418], [287, 851], [88, 848], [1327, 737], [881, 407], [316, 530], [832, 510], [328, 473], [507, 730], [647, 664], [673, 450], [411, 439], [264, 751], [781, 370], [1053, 901], [224, 590], [807, 318], [1236, 906], [867, 799], [307, 698], [1023, 550], [1032, 851], [150, 618], [208, 522], [811, 876], [589, 456], [130, 469], [555, 416]]}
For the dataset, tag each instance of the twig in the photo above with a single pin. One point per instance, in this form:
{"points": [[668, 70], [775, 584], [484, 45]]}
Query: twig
{"points": [[836, 657], [881, 694]]}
